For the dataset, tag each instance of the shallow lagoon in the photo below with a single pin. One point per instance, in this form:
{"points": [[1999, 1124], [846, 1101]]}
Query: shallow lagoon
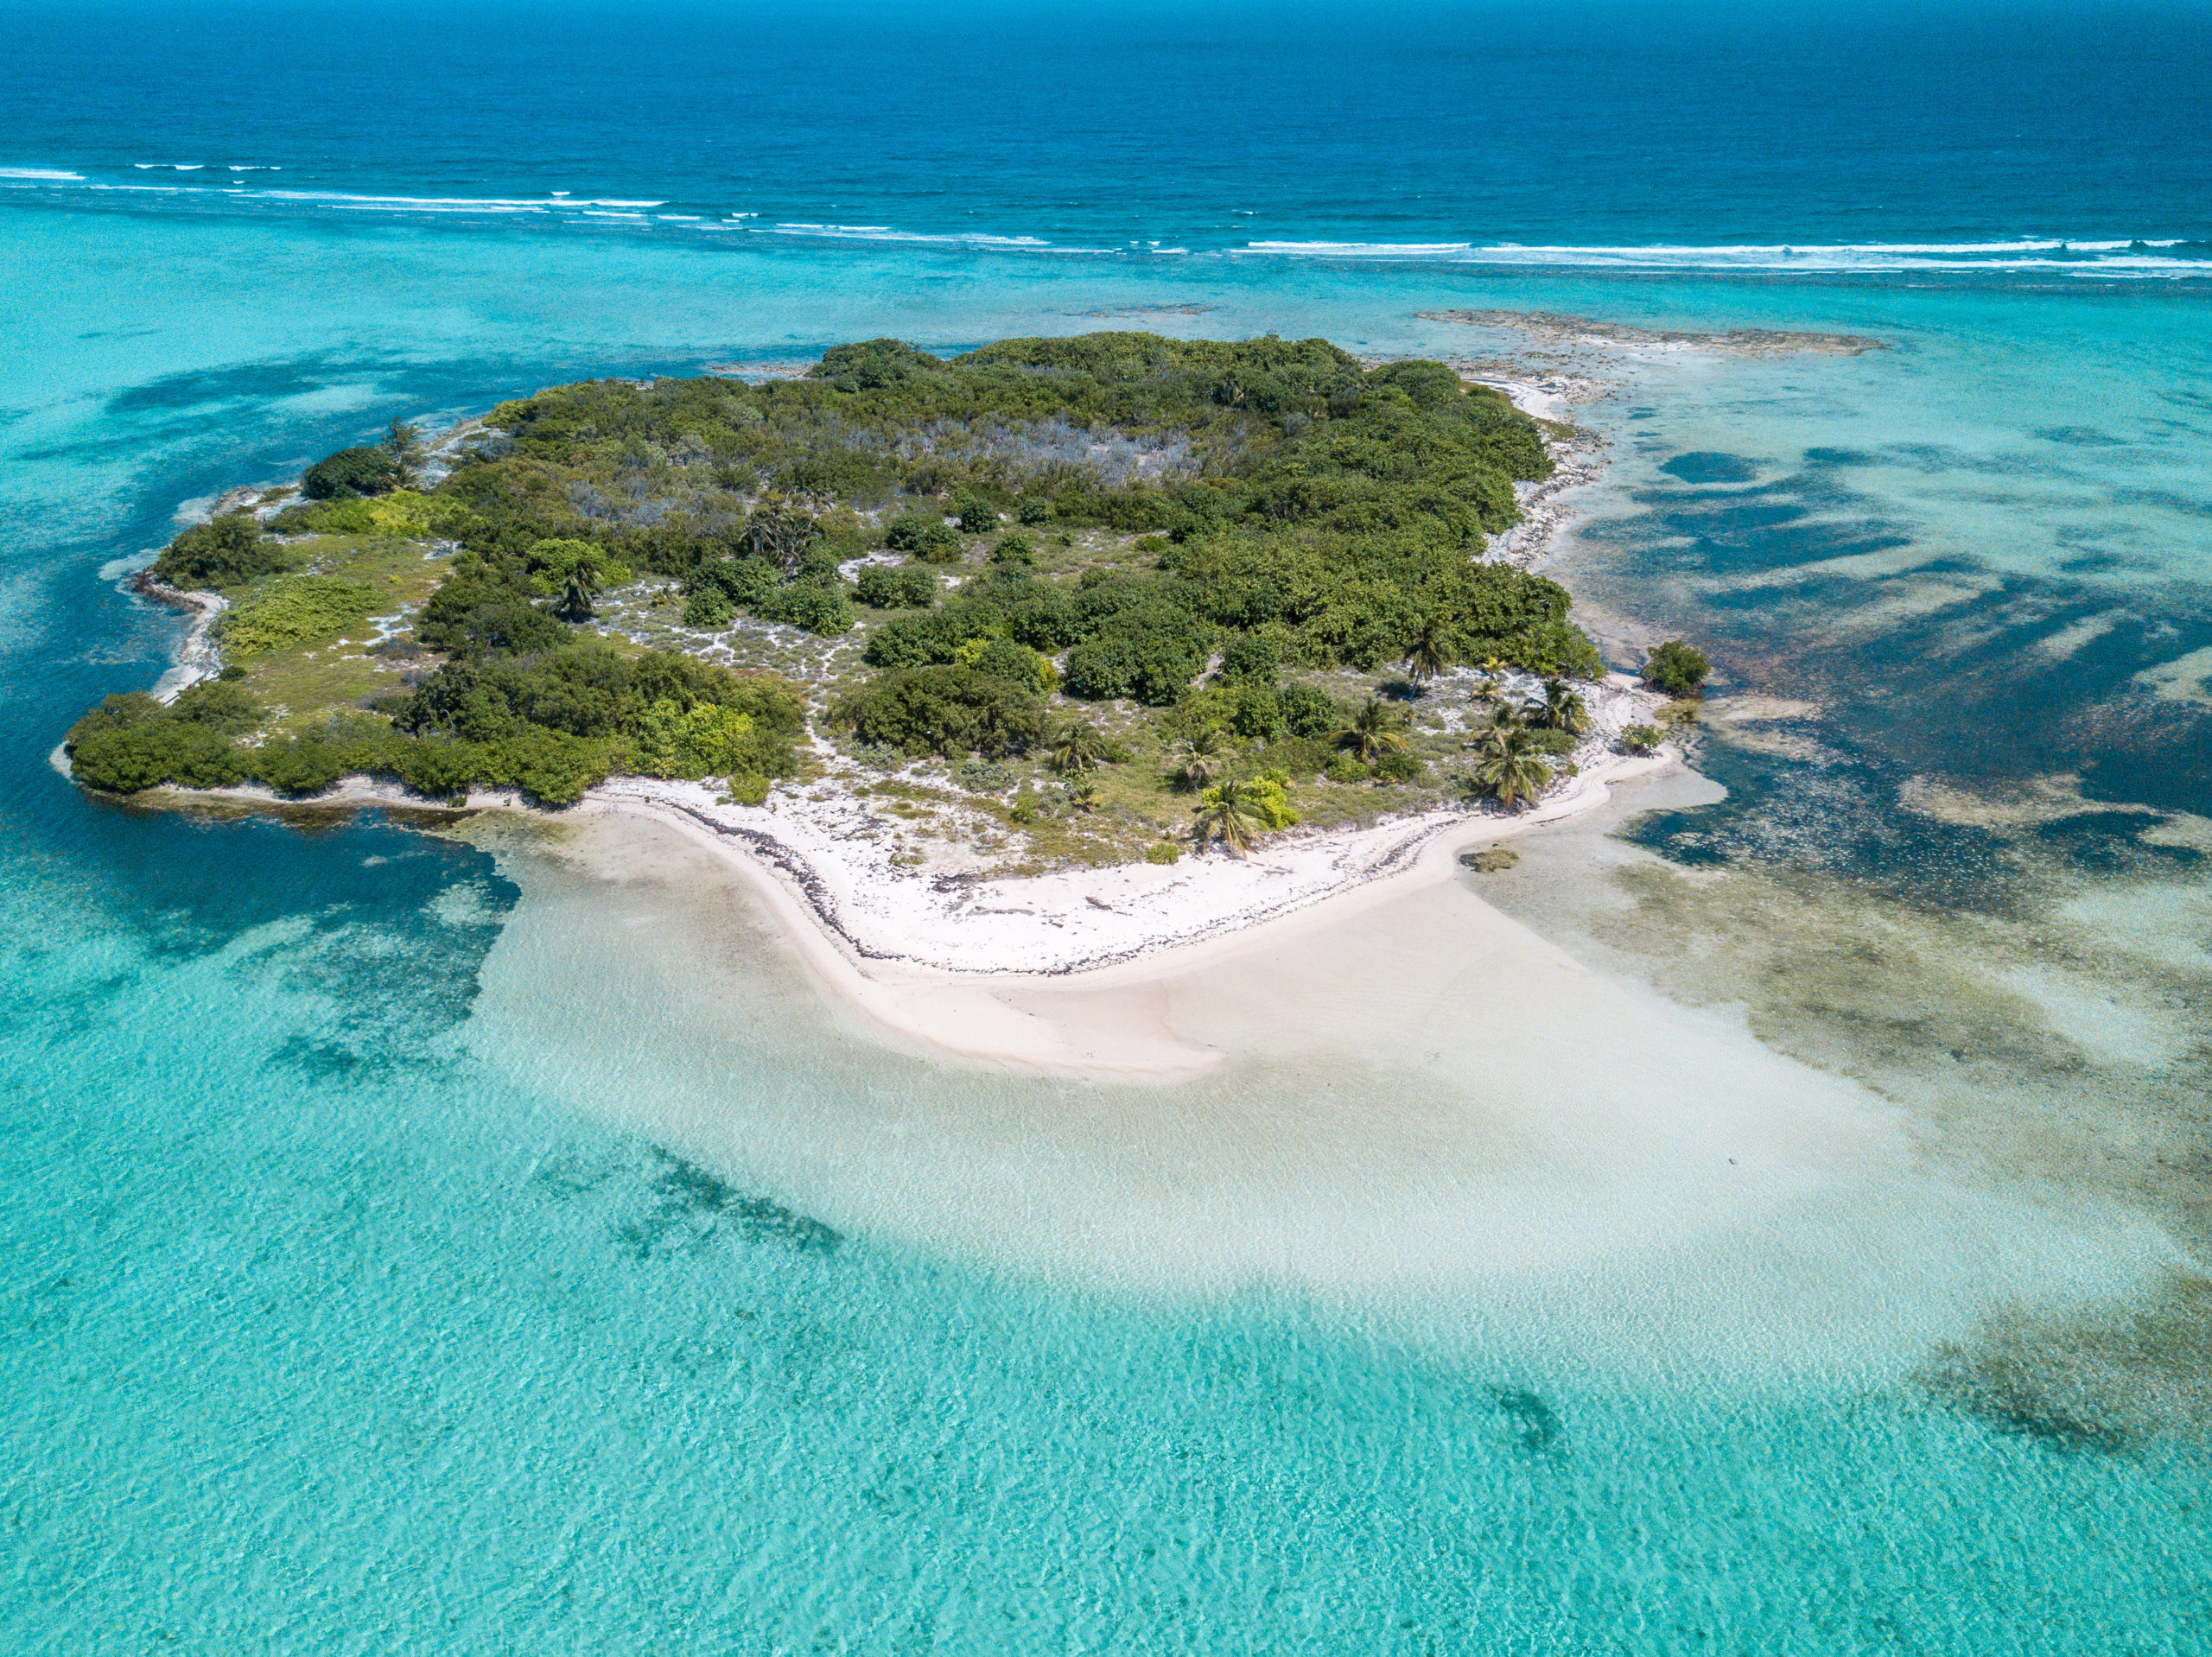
{"points": [[347, 1310]]}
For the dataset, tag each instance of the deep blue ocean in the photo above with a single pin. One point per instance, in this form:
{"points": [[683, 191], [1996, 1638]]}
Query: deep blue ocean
{"points": [[362, 1289]]}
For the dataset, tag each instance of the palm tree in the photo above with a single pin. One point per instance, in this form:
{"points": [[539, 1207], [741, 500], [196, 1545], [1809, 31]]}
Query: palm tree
{"points": [[1374, 731], [1509, 716], [1079, 746], [1432, 651], [579, 587], [1228, 813], [1563, 710], [1201, 759], [1510, 771], [1085, 797]]}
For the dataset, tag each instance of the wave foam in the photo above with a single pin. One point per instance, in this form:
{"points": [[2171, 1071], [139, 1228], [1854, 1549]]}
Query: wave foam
{"points": [[2101, 256], [2170, 258]]}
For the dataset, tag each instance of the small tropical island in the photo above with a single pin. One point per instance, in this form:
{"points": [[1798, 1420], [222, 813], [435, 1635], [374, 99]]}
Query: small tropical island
{"points": [[1078, 619]]}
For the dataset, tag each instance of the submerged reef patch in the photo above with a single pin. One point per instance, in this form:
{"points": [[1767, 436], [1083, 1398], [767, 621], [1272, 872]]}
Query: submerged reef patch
{"points": [[2106, 1381], [692, 1207]]}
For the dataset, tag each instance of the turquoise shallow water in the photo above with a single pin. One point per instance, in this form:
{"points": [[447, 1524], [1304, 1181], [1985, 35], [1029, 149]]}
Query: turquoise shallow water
{"points": [[324, 1334], [334, 1321]]}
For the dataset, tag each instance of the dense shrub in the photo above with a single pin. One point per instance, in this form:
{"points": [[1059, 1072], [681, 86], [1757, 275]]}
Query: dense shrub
{"points": [[1146, 666], [227, 552], [975, 512], [743, 581], [132, 742], [884, 588], [709, 609], [954, 711], [871, 365], [1308, 711], [487, 614], [817, 609], [928, 538], [1003, 658], [294, 610], [219, 704], [352, 472], [1249, 658], [593, 692], [1677, 668]]}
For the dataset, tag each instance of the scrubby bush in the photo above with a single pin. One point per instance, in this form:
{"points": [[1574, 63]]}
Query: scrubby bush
{"points": [[743, 581], [1249, 658], [1399, 765], [705, 740], [229, 551], [822, 610], [482, 611], [1641, 739], [975, 512], [367, 471], [440, 770], [219, 704], [294, 610], [708, 609], [1146, 667], [888, 588], [927, 538], [954, 711], [1034, 510], [299, 767], [551, 562], [1003, 658], [1309, 711], [1677, 666], [403, 514], [1013, 551], [871, 365], [132, 742]]}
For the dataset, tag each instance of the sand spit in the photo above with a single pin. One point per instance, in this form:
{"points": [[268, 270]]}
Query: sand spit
{"points": [[1558, 328], [932, 958]]}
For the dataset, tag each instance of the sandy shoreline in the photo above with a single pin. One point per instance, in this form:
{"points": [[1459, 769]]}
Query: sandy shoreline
{"points": [[941, 962]]}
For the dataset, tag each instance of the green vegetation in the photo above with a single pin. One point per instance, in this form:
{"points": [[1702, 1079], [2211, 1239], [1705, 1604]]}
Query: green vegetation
{"points": [[294, 610], [352, 472], [953, 711], [228, 552], [1269, 509], [1509, 771], [1562, 709], [1374, 731], [1236, 813], [1677, 668], [1642, 739], [886, 588]]}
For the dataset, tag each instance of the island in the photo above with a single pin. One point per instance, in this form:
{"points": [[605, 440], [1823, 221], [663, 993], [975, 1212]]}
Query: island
{"points": [[1034, 658]]}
